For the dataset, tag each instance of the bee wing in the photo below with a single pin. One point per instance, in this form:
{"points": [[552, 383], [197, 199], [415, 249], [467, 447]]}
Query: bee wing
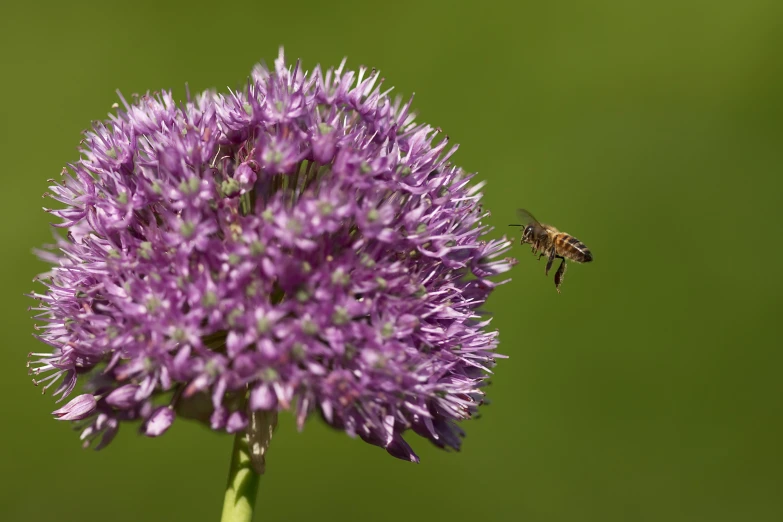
{"points": [[528, 219]]}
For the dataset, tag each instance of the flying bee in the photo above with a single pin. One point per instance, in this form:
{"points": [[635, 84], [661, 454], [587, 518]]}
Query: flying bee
{"points": [[548, 241]]}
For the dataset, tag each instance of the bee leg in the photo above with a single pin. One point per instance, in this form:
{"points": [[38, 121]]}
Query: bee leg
{"points": [[540, 256], [551, 260], [560, 274]]}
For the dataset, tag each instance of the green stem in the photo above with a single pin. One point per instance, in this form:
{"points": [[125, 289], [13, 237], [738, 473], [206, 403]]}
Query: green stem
{"points": [[242, 486]]}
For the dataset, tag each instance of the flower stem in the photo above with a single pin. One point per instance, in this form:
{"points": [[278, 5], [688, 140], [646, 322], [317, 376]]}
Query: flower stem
{"points": [[242, 487]]}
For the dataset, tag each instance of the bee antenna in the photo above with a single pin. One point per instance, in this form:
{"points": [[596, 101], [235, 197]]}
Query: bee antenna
{"points": [[515, 225]]}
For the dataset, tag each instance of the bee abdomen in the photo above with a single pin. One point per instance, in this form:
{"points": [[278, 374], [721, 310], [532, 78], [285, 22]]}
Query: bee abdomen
{"points": [[571, 248]]}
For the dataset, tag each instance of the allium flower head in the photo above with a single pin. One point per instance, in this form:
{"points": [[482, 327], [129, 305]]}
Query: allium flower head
{"points": [[299, 244]]}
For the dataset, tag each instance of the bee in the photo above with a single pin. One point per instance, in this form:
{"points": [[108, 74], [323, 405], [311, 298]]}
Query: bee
{"points": [[548, 241]]}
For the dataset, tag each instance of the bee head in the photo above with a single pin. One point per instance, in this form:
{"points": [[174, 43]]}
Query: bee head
{"points": [[529, 234]]}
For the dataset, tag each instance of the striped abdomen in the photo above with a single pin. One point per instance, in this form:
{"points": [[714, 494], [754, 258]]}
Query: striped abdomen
{"points": [[571, 248]]}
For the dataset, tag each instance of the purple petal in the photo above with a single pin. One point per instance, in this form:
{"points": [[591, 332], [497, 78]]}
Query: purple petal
{"points": [[123, 397], [262, 398], [78, 408], [159, 422], [236, 421]]}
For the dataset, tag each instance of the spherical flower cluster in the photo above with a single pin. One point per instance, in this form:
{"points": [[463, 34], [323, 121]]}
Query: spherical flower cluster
{"points": [[300, 244]]}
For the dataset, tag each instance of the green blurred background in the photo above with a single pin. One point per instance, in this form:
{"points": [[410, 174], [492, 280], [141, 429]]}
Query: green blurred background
{"points": [[648, 391]]}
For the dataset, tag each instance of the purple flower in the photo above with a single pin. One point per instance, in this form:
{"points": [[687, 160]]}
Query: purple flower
{"points": [[301, 243]]}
